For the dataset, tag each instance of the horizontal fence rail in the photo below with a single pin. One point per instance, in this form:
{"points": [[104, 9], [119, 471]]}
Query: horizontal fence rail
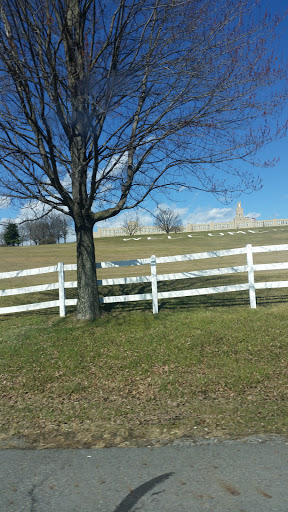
{"points": [[61, 285]]}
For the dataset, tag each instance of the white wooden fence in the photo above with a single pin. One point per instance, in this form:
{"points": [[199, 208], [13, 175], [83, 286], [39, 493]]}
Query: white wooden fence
{"points": [[61, 285]]}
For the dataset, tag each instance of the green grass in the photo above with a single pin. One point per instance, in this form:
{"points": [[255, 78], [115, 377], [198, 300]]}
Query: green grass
{"points": [[205, 366], [132, 377]]}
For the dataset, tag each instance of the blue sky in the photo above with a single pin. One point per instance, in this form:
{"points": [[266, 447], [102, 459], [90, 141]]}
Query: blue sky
{"points": [[268, 203]]}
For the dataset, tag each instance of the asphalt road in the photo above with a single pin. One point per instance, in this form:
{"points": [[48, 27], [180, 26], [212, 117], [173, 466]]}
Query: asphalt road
{"points": [[249, 475]]}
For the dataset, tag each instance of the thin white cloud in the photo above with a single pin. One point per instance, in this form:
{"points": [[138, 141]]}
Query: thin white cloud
{"points": [[182, 212], [4, 221], [199, 216], [67, 182], [253, 215], [4, 202], [145, 219], [202, 215], [32, 210], [115, 222], [116, 165]]}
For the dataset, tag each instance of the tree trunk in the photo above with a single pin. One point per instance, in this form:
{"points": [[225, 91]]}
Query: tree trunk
{"points": [[88, 306]]}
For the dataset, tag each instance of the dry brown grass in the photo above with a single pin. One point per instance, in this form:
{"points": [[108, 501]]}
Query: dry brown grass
{"points": [[131, 378], [205, 366]]}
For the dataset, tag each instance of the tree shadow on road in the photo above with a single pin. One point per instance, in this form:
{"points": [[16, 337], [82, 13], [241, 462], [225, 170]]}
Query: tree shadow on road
{"points": [[134, 496]]}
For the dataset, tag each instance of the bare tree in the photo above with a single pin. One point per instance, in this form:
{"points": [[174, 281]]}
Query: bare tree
{"points": [[64, 227], [50, 228], [131, 224], [24, 233], [59, 226], [103, 103], [30, 232], [167, 220], [39, 230]]}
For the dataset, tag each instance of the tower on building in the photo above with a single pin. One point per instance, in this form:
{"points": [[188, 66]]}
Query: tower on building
{"points": [[239, 211]]}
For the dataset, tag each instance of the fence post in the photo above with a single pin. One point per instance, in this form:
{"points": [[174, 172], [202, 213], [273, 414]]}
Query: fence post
{"points": [[251, 282], [61, 281], [154, 284]]}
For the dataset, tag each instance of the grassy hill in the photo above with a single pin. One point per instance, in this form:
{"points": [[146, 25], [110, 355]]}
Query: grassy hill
{"points": [[203, 367], [116, 248]]}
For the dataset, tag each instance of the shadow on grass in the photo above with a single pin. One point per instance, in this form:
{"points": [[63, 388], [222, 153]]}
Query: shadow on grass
{"points": [[192, 303], [231, 299]]}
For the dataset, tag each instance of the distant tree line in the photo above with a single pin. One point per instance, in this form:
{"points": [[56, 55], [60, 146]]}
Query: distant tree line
{"points": [[50, 229]]}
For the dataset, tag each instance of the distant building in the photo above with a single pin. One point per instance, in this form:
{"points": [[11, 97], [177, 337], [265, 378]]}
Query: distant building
{"points": [[239, 222], [121, 231]]}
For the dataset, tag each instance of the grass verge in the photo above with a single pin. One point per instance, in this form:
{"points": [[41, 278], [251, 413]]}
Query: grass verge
{"points": [[132, 377]]}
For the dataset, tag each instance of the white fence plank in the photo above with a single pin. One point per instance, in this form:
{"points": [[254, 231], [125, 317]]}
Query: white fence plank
{"points": [[29, 307], [70, 284], [29, 289], [201, 255], [271, 284], [128, 263], [127, 298], [28, 272], [271, 266], [203, 291], [71, 302], [124, 280], [70, 267], [270, 248], [203, 273]]}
